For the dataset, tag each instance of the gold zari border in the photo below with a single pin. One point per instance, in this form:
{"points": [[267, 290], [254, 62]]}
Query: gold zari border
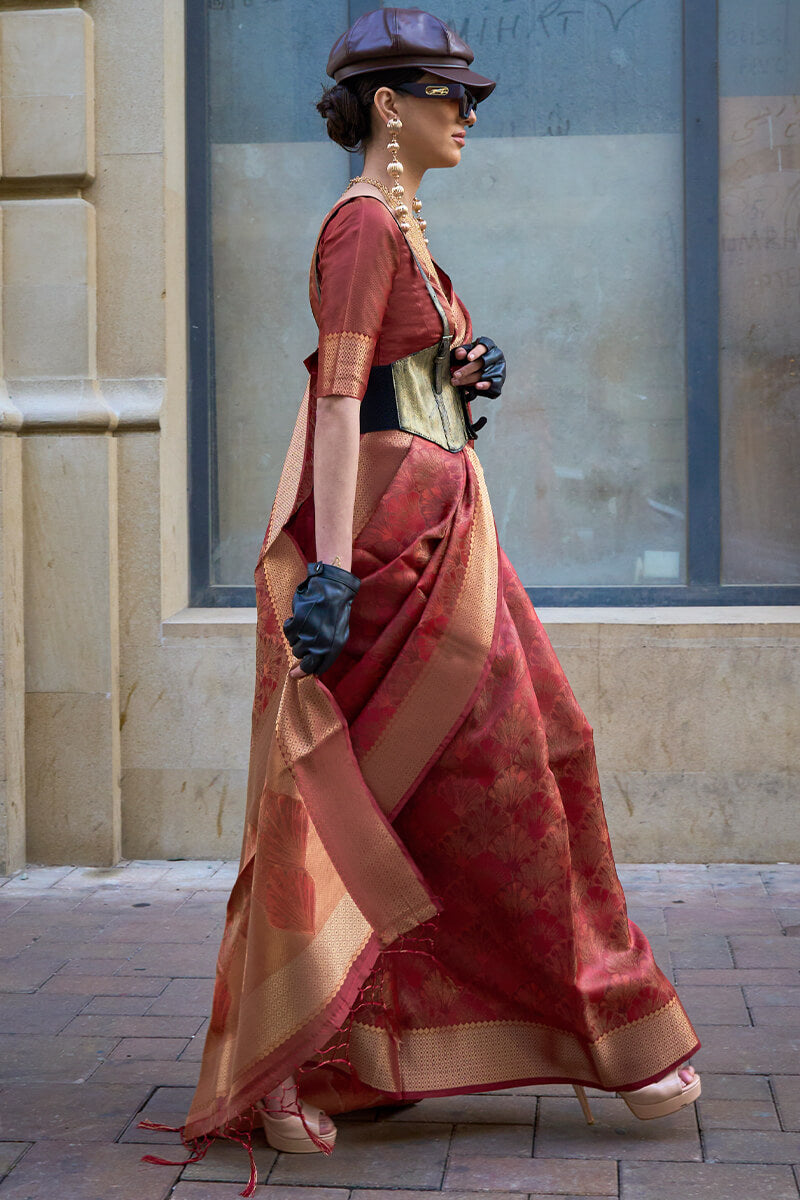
{"points": [[490, 1053]]}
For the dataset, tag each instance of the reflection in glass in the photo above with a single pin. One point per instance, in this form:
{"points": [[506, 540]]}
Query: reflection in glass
{"points": [[562, 230], [760, 290]]}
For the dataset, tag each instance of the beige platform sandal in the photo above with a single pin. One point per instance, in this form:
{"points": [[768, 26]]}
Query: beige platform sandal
{"points": [[289, 1134], [657, 1099], [286, 1130]]}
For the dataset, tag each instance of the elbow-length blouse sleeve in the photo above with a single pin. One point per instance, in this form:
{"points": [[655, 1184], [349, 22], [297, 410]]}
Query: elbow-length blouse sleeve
{"points": [[358, 257]]}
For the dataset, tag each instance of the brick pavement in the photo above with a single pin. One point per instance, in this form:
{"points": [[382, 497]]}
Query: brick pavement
{"points": [[105, 984]]}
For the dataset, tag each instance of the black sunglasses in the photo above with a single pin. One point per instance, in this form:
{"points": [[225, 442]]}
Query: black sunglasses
{"points": [[448, 91]]}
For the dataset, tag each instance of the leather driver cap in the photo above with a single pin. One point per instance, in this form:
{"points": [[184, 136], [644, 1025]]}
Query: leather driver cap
{"points": [[405, 37]]}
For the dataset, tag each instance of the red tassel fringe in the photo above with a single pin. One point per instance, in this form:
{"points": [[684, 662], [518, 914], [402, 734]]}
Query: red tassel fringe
{"points": [[335, 1053]]}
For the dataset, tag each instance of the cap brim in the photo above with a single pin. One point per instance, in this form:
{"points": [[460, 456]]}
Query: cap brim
{"points": [[479, 85]]}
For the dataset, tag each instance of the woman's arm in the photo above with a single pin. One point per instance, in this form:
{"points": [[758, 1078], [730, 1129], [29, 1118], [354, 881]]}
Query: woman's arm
{"points": [[336, 441], [337, 435]]}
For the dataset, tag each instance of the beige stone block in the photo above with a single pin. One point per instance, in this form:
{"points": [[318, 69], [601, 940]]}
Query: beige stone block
{"points": [[48, 330], [49, 299], [139, 565], [12, 660], [72, 779], [70, 514], [128, 194], [129, 76], [45, 136], [702, 816], [49, 241], [182, 813], [187, 703], [694, 698], [46, 69]]}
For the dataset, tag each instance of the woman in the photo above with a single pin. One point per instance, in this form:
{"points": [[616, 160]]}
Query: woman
{"points": [[427, 901]]}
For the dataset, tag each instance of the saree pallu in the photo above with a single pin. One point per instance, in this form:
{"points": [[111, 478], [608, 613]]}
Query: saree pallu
{"points": [[425, 864]]}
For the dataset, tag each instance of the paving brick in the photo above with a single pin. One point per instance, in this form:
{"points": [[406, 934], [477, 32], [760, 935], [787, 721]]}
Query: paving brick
{"points": [[10, 904], [28, 970], [368, 1155], [144, 1048], [184, 997], [736, 1114], [194, 1051], [134, 1027], [784, 1016], [153, 1072], [716, 919], [34, 879], [562, 1132], [704, 1181], [752, 951], [24, 1014], [751, 1146], [132, 1006], [227, 1162], [85, 1171], [158, 928], [391, 1194], [37, 1059], [787, 1094], [68, 1110], [650, 921], [735, 1087], [701, 951], [95, 966], [583, 1177], [493, 1141], [760, 1050], [11, 1152], [733, 977], [714, 1005], [72, 983], [489, 1108], [196, 961], [166, 1106], [222, 1191], [119, 952], [774, 995], [55, 927]]}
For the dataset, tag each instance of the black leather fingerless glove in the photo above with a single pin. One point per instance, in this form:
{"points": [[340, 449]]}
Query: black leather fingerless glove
{"points": [[320, 622], [494, 366], [494, 369]]}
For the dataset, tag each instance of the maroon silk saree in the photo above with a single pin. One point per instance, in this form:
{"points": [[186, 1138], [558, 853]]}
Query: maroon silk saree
{"points": [[427, 901]]}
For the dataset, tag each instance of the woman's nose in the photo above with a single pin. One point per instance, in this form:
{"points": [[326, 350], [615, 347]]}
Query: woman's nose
{"points": [[472, 118]]}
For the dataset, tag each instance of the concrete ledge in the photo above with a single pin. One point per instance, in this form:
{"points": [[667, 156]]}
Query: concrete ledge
{"points": [[238, 622]]}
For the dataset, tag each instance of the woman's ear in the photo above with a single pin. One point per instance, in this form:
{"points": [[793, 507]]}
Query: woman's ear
{"points": [[385, 104]]}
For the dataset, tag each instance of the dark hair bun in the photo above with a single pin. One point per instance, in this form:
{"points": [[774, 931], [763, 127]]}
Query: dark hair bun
{"points": [[347, 118], [347, 106]]}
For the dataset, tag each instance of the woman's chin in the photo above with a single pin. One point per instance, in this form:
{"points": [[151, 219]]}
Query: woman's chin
{"points": [[451, 157]]}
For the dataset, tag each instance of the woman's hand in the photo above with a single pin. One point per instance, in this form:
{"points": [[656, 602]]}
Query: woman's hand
{"points": [[320, 622], [480, 365]]}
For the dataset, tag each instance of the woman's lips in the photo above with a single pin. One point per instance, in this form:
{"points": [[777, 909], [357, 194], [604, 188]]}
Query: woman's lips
{"points": [[459, 137]]}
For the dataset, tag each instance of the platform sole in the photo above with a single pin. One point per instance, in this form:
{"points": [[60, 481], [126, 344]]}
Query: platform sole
{"points": [[662, 1108]]}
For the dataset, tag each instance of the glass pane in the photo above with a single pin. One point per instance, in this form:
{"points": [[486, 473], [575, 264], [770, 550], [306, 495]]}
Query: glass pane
{"points": [[760, 289], [562, 230]]}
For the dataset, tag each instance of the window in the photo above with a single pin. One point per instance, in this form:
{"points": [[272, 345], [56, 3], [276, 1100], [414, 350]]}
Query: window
{"points": [[629, 240]]}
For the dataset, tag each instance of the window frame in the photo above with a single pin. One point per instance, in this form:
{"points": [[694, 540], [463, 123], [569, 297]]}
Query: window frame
{"points": [[701, 246]]}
